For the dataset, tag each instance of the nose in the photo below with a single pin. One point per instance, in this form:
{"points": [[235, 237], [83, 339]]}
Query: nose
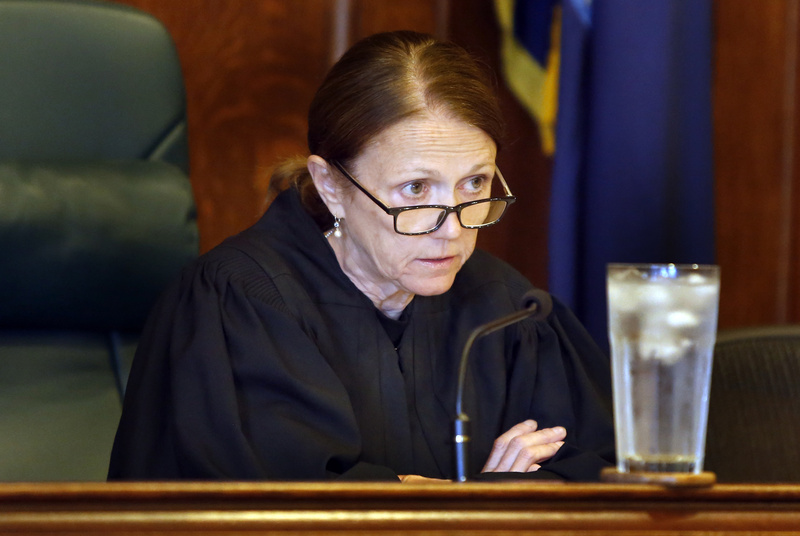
{"points": [[450, 228]]}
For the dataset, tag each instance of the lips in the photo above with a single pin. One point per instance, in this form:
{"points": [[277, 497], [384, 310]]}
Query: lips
{"points": [[441, 262]]}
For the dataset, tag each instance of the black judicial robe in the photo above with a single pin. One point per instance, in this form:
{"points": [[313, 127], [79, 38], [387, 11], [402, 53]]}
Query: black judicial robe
{"points": [[264, 361]]}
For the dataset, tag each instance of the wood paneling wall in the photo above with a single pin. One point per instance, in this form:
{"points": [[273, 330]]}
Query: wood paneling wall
{"points": [[756, 160], [252, 66]]}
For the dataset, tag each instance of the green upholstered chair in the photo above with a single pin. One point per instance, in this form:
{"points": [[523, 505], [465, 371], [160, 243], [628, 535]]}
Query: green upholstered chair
{"points": [[96, 217], [754, 407]]}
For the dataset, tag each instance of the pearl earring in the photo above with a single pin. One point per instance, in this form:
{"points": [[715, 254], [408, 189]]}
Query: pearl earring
{"points": [[336, 231]]}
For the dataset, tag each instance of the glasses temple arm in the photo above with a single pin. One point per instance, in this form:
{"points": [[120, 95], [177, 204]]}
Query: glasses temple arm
{"points": [[503, 182], [349, 177]]}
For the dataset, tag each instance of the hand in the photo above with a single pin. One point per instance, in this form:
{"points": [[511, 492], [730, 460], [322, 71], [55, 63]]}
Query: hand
{"points": [[522, 447]]}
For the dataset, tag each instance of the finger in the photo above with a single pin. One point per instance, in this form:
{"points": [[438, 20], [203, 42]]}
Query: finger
{"points": [[502, 442], [507, 446], [528, 443], [532, 455], [417, 479]]}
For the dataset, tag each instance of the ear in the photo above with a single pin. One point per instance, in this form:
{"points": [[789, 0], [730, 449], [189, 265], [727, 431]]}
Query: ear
{"points": [[327, 186]]}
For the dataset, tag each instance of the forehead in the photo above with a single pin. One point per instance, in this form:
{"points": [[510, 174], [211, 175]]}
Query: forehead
{"points": [[435, 141]]}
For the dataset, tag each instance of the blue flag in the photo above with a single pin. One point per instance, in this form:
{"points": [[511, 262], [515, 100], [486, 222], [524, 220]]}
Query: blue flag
{"points": [[531, 33], [632, 175]]}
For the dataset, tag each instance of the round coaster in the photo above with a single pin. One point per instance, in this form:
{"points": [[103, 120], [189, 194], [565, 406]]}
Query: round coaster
{"points": [[676, 480]]}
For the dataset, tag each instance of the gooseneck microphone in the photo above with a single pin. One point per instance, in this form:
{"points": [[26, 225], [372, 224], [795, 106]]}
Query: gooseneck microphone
{"points": [[535, 303]]}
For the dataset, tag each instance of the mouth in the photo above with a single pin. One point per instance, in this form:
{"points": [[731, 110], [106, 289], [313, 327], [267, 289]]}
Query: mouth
{"points": [[438, 262]]}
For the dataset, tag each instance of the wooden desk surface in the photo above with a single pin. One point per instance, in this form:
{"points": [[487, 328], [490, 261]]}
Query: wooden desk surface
{"points": [[362, 508]]}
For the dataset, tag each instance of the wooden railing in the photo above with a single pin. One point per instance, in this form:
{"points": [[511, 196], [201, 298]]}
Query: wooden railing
{"points": [[362, 508]]}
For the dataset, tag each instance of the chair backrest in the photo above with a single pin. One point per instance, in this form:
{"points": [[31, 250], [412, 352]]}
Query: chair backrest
{"points": [[754, 407], [96, 217], [85, 79]]}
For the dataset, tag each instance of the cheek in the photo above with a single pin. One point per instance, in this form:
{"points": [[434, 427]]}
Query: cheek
{"points": [[468, 239], [368, 228], [405, 254], [394, 256], [368, 218], [387, 251]]}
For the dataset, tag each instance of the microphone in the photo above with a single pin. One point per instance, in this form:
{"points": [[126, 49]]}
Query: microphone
{"points": [[535, 303]]}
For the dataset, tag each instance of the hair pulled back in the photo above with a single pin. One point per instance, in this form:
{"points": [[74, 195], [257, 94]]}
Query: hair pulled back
{"points": [[380, 81]]}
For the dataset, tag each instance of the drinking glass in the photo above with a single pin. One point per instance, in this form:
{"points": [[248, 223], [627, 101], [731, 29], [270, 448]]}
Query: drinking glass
{"points": [[662, 329]]}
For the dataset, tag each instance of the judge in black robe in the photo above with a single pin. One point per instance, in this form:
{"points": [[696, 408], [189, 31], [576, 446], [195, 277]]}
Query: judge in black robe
{"points": [[264, 361]]}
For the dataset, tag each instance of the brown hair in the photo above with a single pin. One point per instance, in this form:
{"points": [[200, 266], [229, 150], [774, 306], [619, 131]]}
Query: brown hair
{"points": [[380, 81]]}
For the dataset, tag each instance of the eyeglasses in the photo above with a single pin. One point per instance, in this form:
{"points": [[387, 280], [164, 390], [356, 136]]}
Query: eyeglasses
{"points": [[424, 219]]}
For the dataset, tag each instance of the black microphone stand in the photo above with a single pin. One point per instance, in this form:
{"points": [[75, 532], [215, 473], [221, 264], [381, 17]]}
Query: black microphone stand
{"points": [[535, 303]]}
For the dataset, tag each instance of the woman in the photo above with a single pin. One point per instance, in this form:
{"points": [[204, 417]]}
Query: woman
{"points": [[324, 341]]}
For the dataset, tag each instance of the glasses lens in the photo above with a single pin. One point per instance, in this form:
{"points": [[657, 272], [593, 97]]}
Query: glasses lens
{"points": [[484, 213], [419, 220]]}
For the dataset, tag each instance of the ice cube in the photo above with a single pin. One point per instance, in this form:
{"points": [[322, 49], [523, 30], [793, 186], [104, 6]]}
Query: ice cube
{"points": [[682, 319], [696, 279], [625, 273], [706, 290], [655, 295], [623, 298], [667, 350]]}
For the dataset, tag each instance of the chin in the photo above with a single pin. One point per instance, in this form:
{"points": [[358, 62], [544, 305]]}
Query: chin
{"points": [[433, 286]]}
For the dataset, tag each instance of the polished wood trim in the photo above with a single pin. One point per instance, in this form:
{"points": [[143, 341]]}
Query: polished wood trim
{"points": [[352, 508]]}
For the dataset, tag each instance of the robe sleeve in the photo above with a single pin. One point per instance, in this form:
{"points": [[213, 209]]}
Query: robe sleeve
{"points": [[571, 388], [226, 384], [589, 446]]}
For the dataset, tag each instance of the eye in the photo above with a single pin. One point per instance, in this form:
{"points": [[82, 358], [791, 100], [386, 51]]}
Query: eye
{"points": [[476, 184], [414, 188]]}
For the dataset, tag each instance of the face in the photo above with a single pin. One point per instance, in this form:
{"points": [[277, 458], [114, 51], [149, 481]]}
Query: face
{"points": [[420, 161]]}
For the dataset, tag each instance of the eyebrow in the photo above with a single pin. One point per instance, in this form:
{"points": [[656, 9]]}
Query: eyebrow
{"points": [[474, 169]]}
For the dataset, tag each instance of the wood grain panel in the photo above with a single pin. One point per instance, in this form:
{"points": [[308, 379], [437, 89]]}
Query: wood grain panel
{"points": [[789, 157], [750, 121], [369, 17], [793, 201], [251, 68]]}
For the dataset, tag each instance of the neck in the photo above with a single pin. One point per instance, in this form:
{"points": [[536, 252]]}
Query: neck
{"points": [[390, 299], [392, 306]]}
